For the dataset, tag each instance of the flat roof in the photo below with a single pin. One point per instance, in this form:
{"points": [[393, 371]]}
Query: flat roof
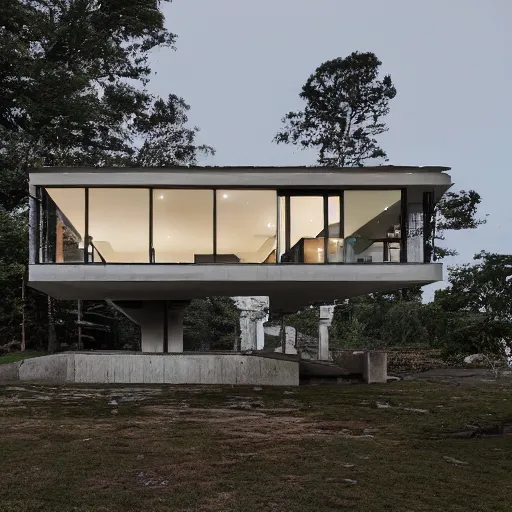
{"points": [[244, 168]]}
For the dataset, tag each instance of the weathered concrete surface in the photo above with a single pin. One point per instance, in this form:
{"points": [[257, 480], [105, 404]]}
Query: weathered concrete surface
{"points": [[253, 314], [52, 368], [150, 315], [136, 368], [288, 286], [185, 369], [290, 340], [351, 360], [9, 371], [325, 321], [375, 368]]}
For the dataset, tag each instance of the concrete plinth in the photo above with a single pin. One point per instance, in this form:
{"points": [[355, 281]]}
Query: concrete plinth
{"points": [[375, 369], [136, 368]]}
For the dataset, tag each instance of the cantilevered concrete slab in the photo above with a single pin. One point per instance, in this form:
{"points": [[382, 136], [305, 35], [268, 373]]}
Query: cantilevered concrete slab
{"points": [[432, 178], [288, 286]]}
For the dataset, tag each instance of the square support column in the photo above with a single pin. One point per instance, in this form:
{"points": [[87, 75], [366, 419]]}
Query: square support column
{"points": [[325, 320], [152, 316], [175, 316]]}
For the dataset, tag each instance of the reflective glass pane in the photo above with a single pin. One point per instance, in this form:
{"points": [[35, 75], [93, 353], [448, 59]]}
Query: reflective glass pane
{"points": [[119, 224], [282, 227], [63, 229], [307, 223], [183, 226], [335, 242], [371, 224], [246, 226]]}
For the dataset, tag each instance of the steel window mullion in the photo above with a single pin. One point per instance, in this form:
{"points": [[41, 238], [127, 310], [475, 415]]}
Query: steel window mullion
{"points": [[215, 225], [86, 241]]}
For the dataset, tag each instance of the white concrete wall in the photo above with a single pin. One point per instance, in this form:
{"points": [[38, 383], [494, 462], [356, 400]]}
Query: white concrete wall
{"points": [[98, 368]]}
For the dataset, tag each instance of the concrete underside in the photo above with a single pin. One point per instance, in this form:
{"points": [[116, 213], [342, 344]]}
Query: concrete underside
{"points": [[288, 286], [137, 368]]}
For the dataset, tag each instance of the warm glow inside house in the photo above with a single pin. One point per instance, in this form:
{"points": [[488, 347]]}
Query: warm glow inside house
{"points": [[151, 239]]}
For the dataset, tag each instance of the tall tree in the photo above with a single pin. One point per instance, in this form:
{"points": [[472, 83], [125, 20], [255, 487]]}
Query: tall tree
{"points": [[345, 106], [72, 88], [73, 76]]}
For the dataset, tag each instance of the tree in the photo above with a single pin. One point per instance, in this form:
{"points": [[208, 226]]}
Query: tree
{"points": [[211, 324], [73, 76], [13, 231], [455, 211], [478, 304], [72, 88], [345, 104]]}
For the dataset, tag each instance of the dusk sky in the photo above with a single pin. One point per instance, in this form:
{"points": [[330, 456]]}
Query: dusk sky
{"points": [[241, 64]]}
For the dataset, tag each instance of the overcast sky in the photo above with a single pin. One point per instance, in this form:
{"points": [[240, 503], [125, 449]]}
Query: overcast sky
{"points": [[240, 64]]}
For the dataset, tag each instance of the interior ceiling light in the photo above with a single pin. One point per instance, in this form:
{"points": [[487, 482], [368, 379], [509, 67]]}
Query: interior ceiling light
{"points": [[225, 196], [161, 197]]}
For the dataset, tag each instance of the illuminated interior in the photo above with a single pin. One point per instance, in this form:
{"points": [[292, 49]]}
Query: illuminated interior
{"points": [[142, 225]]}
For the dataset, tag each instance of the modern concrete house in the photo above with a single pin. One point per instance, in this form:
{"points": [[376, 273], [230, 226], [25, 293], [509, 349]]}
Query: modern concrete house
{"points": [[152, 239]]}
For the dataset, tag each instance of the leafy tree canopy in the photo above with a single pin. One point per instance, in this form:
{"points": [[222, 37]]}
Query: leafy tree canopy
{"points": [[345, 105], [72, 89], [455, 211]]}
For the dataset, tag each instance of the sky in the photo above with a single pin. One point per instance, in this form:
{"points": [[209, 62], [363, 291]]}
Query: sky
{"points": [[241, 64]]}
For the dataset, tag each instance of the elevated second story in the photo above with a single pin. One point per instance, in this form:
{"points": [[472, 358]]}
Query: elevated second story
{"points": [[228, 215]]}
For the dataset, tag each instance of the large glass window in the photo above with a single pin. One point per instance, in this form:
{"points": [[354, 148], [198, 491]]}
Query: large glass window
{"points": [[231, 226], [306, 227], [372, 226], [183, 226], [119, 224], [246, 226], [62, 229]]}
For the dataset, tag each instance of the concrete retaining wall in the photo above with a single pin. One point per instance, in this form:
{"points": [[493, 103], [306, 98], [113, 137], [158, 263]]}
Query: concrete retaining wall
{"points": [[100, 368]]}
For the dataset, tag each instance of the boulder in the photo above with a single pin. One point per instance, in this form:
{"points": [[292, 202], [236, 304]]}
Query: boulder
{"points": [[474, 358]]}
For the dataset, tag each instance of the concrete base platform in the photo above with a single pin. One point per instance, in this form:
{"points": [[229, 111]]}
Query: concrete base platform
{"points": [[140, 368]]}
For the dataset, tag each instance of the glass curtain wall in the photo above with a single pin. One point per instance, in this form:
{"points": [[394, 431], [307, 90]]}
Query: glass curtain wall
{"points": [[142, 225], [183, 226], [119, 225], [62, 225], [372, 226], [246, 226]]}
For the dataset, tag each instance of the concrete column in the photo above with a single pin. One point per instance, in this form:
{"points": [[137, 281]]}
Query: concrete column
{"points": [[249, 330], [325, 320], [175, 315], [290, 334], [150, 315], [253, 314]]}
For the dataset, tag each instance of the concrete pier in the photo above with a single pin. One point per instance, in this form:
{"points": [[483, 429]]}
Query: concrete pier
{"points": [[325, 321], [161, 323]]}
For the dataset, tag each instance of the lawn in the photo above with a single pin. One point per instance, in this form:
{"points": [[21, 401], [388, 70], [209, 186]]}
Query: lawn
{"points": [[408, 446], [14, 357]]}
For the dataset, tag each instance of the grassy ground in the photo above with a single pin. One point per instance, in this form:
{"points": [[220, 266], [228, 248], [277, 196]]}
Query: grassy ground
{"points": [[409, 446], [19, 356]]}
